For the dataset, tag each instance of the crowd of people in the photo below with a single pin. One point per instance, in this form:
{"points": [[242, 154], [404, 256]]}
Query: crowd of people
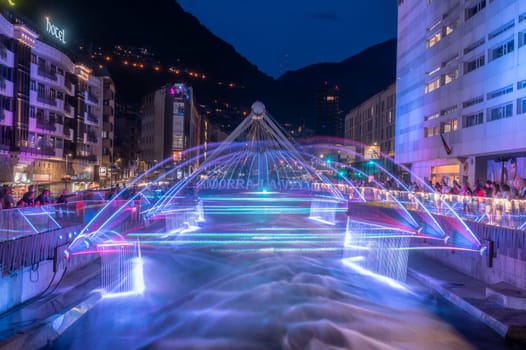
{"points": [[28, 199]]}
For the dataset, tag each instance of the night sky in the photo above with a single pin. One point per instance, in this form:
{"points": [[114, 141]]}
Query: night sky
{"points": [[280, 35], [275, 35]]}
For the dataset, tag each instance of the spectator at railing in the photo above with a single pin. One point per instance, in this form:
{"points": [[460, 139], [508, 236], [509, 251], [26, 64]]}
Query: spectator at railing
{"points": [[8, 201], [27, 200], [43, 198], [63, 198]]}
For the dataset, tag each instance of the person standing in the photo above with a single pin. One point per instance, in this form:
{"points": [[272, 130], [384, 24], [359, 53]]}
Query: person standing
{"points": [[515, 181], [8, 201]]}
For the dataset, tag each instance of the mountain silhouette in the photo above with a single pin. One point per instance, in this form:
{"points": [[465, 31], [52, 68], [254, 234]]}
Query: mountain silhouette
{"points": [[179, 39]]}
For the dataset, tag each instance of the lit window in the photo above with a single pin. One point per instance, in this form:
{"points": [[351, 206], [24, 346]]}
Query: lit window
{"points": [[433, 40], [451, 76], [432, 85]]}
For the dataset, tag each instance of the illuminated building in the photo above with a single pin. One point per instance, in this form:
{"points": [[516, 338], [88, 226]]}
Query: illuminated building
{"points": [[328, 113], [170, 125], [51, 117], [460, 88], [127, 141], [373, 121]]}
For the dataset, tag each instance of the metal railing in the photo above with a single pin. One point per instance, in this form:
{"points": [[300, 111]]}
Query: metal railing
{"points": [[505, 212], [46, 100], [46, 73]]}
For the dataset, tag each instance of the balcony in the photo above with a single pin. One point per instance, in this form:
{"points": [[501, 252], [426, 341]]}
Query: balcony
{"points": [[3, 51], [91, 137], [89, 157], [68, 133], [47, 100], [47, 73], [91, 118], [68, 85], [69, 110], [46, 124], [92, 98], [43, 150]]}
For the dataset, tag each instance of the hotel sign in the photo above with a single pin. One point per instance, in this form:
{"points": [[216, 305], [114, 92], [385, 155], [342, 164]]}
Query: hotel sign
{"points": [[55, 31]]}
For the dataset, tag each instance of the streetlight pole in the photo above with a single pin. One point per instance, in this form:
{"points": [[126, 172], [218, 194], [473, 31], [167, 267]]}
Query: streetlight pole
{"points": [[66, 170]]}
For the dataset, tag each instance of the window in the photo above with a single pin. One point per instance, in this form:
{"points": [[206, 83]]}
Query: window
{"points": [[473, 101], [431, 131], [41, 90], [522, 38], [32, 85], [448, 126], [448, 110], [521, 84], [33, 58], [433, 40], [499, 112], [472, 11], [450, 28], [501, 29], [32, 113], [501, 50], [450, 77], [474, 64], [60, 71], [60, 95], [502, 91], [472, 119], [432, 85], [521, 105], [522, 17]]}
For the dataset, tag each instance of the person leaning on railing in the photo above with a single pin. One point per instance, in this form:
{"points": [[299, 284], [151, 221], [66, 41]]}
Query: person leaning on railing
{"points": [[28, 199], [7, 201]]}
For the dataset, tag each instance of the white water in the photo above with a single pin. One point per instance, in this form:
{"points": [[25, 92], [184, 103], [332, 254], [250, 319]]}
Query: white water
{"points": [[199, 300]]}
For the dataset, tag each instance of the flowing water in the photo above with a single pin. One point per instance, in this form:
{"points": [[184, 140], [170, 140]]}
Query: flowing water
{"points": [[234, 293]]}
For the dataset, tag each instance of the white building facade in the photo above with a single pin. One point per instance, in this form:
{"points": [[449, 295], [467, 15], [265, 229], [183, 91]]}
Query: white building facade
{"points": [[51, 118], [461, 89]]}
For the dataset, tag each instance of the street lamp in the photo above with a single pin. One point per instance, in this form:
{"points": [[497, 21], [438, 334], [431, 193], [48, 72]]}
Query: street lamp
{"points": [[67, 157]]}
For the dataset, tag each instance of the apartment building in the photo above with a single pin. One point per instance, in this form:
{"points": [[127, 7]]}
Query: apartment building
{"points": [[372, 122], [51, 115]]}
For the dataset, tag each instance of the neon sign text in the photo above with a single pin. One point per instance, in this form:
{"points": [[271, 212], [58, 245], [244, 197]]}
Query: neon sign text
{"points": [[55, 31]]}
